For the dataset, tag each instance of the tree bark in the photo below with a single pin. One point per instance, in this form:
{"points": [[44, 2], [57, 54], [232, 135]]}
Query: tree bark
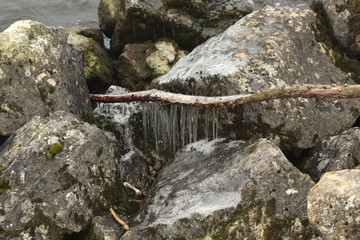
{"points": [[302, 91]]}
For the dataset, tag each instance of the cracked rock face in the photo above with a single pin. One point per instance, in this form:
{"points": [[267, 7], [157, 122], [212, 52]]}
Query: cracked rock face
{"points": [[344, 17], [333, 205], [60, 172], [233, 190], [269, 48], [39, 74], [334, 153]]}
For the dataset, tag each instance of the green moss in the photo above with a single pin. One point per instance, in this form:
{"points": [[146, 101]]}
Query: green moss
{"points": [[54, 150], [43, 93], [2, 169]]}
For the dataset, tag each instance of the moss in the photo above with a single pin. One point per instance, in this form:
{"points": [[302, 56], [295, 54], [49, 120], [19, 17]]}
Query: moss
{"points": [[54, 150], [2, 169], [43, 93], [15, 107]]}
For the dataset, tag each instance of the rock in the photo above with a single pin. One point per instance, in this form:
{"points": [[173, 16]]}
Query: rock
{"points": [[39, 74], [105, 228], [344, 18], [334, 153], [142, 62], [333, 205], [94, 33], [61, 173], [226, 190], [119, 119], [98, 65], [258, 4], [116, 117], [190, 22], [269, 48]]}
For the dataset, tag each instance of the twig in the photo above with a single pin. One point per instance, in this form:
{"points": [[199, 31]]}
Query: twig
{"points": [[137, 191], [118, 219], [135, 200], [304, 91]]}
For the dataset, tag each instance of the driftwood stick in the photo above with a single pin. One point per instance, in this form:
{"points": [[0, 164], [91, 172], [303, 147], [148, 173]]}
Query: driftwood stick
{"points": [[303, 91], [137, 191], [118, 219]]}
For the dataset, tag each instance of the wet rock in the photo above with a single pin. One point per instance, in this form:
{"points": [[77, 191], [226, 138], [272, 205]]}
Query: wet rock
{"points": [[105, 228], [61, 172], [39, 73], [140, 63], [270, 48], [116, 117], [344, 17], [119, 118], [333, 205], [220, 190], [98, 65], [189, 22], [334, 153]]}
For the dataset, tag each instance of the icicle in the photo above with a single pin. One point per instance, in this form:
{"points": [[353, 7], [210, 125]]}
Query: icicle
{"points": [[182, 124], [206, 125]]}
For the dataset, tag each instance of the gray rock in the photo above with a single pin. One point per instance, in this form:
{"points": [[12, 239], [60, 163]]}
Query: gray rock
{"points": [[270, 48], [344, 16], [189, 22], [98, 66], [220, 190], [276, 3], [61, 172], [105, 228], [334, 153], [118, 118], [333, 205], [39, 73]]}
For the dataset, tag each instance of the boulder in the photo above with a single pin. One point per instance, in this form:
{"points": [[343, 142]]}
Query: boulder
{"points": [[59, 172], [334, 153], [98, 66], [270, 48], [141, 62], [226, 190], [333, 205], [189, 22], [344, 17], [119, 118], [39, 74]]}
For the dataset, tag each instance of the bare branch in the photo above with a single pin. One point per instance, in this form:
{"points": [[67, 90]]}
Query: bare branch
{"points": [[303, 91], [137, 191]]}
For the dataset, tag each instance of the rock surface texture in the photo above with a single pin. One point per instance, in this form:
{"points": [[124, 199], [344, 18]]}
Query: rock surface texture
{"points": [[61, 172], [189, 22], [141, 62], [219, 190], [270, 48], [39, 73], [333, 205], [98, 65], [334, 153], [344, 17]]}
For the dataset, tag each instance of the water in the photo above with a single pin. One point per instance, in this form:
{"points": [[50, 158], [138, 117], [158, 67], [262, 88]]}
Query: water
{"points": [[63, 13]]}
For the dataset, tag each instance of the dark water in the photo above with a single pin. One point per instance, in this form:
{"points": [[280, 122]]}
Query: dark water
{"points": [[50, 12]]}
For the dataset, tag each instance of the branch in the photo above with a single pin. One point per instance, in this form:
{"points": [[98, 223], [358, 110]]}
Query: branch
{"points": [[303, 91], [118, 219]]}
